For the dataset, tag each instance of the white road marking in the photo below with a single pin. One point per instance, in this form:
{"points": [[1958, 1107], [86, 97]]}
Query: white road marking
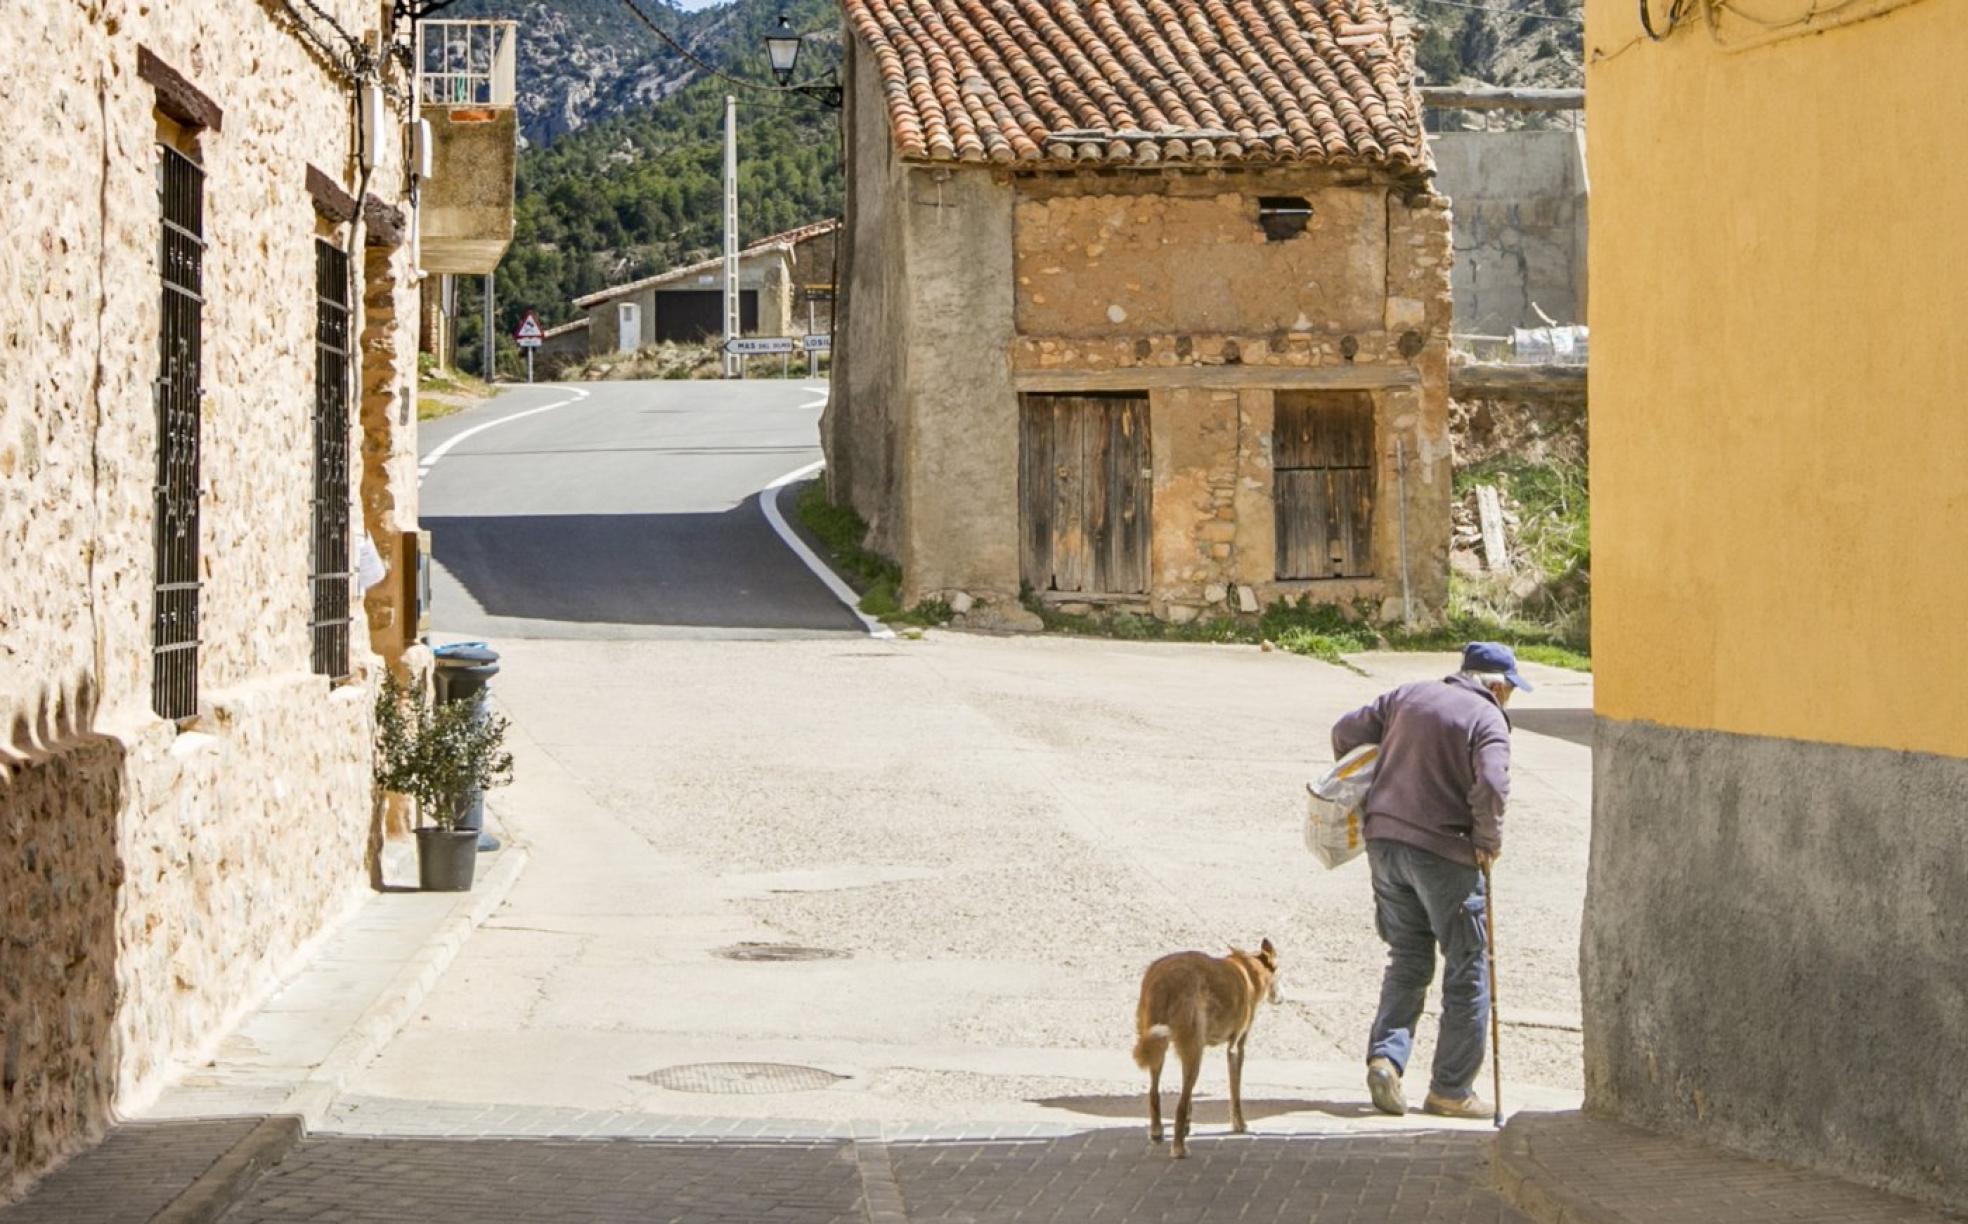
{"points": [[821, 402], [429, 461], [769, 502]]}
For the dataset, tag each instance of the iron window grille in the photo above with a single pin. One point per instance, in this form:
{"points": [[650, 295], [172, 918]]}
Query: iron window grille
{"points": [[178, 392], [328, 568]]}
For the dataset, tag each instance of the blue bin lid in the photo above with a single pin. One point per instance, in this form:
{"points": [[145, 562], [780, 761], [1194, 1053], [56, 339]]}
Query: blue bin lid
{"points": [[465, 654]]}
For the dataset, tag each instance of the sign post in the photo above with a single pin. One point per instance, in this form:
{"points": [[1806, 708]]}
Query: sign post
{"points": [[529, 335]]}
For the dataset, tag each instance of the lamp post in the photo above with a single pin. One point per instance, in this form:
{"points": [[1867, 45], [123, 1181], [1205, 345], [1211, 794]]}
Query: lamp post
{"points": [[782, 48]]}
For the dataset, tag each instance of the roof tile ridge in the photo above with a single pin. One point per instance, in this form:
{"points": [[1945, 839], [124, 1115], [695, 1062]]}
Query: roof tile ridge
{"points": [[1104, 66], [1135, 62], [1197, 69], [943, 77], [1057, 45], [905, 127], [1170, 73], [1014, 113]]}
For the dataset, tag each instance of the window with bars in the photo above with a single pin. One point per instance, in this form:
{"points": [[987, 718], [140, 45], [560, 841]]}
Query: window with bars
{"points": [[179, 389], [328, 567]]}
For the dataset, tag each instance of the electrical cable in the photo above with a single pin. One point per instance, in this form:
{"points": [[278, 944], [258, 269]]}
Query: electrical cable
{"points": [[1507, 12], [677, 46]]}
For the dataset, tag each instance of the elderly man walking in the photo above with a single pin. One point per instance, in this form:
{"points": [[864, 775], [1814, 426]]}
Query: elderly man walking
{"points": [[1434, 823]]}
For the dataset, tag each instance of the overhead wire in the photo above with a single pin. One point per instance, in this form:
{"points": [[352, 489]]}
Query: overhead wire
{"points": [[675, 44], [1506, 12]]}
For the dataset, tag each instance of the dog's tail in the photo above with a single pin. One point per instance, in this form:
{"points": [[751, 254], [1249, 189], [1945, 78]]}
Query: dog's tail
{"points": [[1153, 1040]]}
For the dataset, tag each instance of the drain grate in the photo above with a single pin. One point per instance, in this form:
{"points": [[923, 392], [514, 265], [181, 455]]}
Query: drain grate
{"points": [[780, 952], [741, 1077]]}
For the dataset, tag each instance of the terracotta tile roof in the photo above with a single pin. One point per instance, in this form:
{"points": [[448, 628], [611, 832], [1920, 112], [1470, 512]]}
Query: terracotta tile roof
{"points": [[579, 324], [1146, 81]]}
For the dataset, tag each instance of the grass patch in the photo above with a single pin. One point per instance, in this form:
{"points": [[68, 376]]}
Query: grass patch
{"points": [[1320, 631], [879, 580], [455, 385]]}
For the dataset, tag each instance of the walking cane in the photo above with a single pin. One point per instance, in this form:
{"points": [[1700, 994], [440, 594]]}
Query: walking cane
{"points": [[1496, 1025]]}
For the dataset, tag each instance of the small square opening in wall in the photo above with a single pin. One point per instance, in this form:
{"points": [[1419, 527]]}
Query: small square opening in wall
{"points": [[1283, 217]]}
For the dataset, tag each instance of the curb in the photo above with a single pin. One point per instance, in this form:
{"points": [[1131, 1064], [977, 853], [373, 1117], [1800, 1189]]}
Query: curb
{"points": [[383, 1019], [233, 1175], [1523, 1182], [219, 1188]]}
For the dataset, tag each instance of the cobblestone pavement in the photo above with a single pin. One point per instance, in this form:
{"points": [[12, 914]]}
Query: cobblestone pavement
{"points": [[1099, 1176], [131, 1175]]}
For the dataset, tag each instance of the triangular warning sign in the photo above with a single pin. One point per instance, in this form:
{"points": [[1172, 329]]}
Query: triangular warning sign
{"points": [[529, 328]]}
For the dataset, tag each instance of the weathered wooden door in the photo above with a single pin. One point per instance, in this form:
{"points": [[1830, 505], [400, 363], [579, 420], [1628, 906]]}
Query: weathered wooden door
{"points": [[1084, 485], [1322, 456]]}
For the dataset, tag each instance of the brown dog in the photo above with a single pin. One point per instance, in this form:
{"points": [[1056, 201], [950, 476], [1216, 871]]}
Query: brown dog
{"points": [[1194, 1000]]}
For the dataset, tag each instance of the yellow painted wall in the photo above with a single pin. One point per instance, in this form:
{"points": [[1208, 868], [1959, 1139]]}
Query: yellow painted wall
{"points": [[1779, 389]]}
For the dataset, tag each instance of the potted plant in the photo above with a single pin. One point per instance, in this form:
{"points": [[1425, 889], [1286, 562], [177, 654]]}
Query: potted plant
{"points": [[439, 756]]}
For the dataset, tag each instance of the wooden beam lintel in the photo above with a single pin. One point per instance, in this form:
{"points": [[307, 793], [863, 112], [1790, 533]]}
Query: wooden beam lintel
{"points": [[1150, 378], [177, 96]]}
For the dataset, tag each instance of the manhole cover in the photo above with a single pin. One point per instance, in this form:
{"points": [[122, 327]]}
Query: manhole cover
{"points": [[741, 1077], [780, 952]]}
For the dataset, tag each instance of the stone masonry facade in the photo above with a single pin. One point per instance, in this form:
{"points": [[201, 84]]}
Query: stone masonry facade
{"points": [[156, 875]]}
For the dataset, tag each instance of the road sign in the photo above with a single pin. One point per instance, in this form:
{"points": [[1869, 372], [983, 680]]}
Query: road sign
{"points": [[818, 344], [752, 346], [529, 333]]}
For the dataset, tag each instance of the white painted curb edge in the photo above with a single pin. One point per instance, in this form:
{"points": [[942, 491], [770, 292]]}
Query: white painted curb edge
{"points": [[769, 502]]}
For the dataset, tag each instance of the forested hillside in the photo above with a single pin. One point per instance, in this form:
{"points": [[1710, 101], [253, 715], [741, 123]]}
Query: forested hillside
{"points": [[624, 159]]}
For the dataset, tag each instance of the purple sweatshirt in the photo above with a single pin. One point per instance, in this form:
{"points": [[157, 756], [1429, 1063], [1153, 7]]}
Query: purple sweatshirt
{"points": [[1444, 771]]}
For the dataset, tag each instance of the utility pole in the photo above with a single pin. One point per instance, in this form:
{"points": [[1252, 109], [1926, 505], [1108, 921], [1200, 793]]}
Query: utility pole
{"points": [[489, 278], [733, 321]]}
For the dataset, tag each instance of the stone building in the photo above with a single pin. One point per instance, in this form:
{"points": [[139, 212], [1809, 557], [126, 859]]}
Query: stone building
{"points": [[209, 330], [1145, 305], [1773, 956], [777, 275]]}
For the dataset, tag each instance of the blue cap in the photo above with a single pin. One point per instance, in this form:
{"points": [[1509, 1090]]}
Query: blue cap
{"points": [[1493, 657]]}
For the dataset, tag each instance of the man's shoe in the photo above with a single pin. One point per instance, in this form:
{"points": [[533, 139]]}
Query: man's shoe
{"points": [[1471, 1106], [1384, 1085]]}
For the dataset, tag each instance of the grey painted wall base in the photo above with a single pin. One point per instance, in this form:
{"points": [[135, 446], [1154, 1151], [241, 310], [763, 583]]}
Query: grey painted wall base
{"points": [[1775, 952]]}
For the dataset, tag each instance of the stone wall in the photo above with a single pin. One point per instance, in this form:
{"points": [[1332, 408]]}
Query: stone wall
{"points": [[155, 876], [1168, 285]]}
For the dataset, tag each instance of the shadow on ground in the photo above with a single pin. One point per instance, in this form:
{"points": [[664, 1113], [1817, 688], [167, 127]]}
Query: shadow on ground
{"points": [[724, 570], [1205, 1112], [1573, 725], [1103, 1175]]}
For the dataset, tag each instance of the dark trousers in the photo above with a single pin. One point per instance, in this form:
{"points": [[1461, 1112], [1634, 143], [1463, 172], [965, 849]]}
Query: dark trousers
{"points": [[1423, 902]]}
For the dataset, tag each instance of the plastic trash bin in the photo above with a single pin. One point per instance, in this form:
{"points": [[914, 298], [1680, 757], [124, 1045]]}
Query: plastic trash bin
{"points": [[464, 672]]}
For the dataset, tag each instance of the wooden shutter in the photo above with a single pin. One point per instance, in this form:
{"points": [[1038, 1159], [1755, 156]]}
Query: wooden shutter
{"points": [[1322, 458], [1084, 493]]}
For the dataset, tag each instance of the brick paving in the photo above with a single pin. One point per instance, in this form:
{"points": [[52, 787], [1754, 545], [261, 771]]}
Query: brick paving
{"points": [[131, 1175], [1100, 1176]]}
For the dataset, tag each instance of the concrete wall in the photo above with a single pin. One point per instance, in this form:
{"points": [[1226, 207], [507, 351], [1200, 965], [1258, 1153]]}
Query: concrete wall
{"points": [[154, 878], [861, 429], [1519, 199], [1772, 955], [960, 467]]}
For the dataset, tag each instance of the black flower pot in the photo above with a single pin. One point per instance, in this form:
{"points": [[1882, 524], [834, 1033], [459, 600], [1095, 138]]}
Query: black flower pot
{"points": [[446, 859]]}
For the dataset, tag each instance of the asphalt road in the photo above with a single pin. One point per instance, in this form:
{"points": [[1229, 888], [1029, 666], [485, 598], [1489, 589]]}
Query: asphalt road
{"points": [[622, 510]]}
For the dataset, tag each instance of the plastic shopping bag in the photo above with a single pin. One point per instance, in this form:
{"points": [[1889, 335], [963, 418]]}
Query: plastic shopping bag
{"points": [[1333, 803]]}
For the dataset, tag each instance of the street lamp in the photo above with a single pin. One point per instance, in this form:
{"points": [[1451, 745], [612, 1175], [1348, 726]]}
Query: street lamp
{"points": [[782, 48]]}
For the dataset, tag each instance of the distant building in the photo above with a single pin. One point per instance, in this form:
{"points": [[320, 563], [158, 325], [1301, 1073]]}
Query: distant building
{"points": [[778, 277], [1163, 328], [1773, 949]]}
